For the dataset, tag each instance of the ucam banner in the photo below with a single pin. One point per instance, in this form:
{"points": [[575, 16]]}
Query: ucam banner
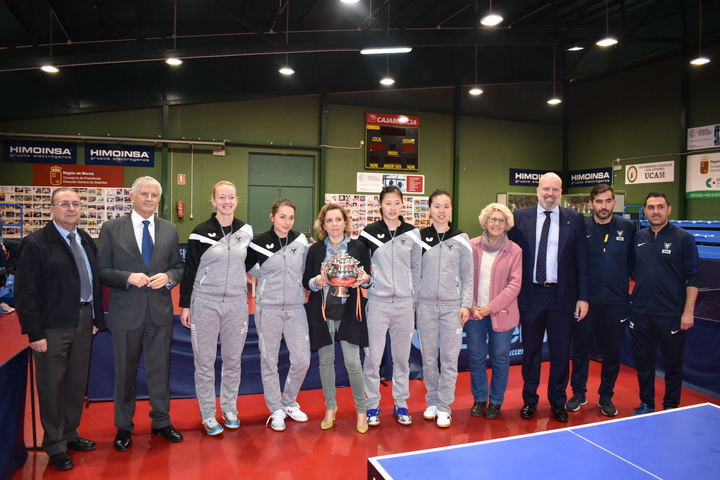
{"points": [[119, 155], [39, 152], [703, 176], [590, 178], [658, 172]]}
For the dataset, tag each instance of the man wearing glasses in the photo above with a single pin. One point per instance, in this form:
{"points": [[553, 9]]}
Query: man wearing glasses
{"points": [[555, 290], [58, 301]]}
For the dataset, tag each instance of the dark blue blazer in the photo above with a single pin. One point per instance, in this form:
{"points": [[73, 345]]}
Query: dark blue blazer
{"points": [[573, 275]]}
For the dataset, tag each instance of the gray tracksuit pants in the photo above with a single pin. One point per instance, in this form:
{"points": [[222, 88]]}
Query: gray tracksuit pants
{"points": [[229, 321], [272, 325], [399, 318], [439, 323]]}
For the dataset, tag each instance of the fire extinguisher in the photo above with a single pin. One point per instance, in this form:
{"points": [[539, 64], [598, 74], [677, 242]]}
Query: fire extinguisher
{"points": [[180, 209]]}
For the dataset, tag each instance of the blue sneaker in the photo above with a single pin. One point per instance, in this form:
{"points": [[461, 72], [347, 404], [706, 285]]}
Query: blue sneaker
{"points": [[374, 417], [402, 415], [643, 409], [212, 427], [231, 420]]}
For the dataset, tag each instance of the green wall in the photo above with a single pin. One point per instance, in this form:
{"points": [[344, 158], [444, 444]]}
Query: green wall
{"points": [[644, 113], [638, 113]]}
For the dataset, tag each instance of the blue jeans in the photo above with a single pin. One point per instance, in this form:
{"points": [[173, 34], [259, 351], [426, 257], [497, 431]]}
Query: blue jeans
{"points": [[481, 339]]}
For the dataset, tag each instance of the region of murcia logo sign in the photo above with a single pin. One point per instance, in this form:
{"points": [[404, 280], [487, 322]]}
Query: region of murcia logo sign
{"points": [[55, 175]]}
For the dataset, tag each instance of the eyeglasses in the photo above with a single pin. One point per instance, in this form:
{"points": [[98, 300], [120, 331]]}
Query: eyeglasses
{"points": [[496, 220], [66, 204]]}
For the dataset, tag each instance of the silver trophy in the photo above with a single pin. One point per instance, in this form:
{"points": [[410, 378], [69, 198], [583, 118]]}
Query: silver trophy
{"points": [[341, 271]]}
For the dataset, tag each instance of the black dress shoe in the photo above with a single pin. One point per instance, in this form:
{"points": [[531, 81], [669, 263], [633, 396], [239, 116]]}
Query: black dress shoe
{"points": [[122, 440], [61, 461], [81, 445], [169, 433], [528, 410], [478, 409], [560, 413], [492, 411]]}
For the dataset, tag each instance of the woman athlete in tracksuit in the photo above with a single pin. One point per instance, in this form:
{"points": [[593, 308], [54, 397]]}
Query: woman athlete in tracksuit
{"points": [[445, 297], [277, 259], [396, 259]]}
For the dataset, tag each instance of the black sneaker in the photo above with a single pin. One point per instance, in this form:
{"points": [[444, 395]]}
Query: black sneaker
{"points": [[607, 408], [575, 402]]}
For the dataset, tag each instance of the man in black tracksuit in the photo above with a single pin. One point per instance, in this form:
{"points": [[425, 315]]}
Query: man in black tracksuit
{"points": [[610, 258], [667, 276]]}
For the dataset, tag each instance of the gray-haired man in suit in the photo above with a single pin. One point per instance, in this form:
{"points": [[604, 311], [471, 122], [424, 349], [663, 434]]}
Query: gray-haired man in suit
{"points": [[140, 260]]}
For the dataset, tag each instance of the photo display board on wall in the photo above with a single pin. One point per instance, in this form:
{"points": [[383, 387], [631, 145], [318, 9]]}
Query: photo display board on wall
{"points": [[365, 209], [99, 205]]}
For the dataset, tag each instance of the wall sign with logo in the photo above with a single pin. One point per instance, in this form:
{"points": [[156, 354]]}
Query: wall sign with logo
{"points": [[526, 177], [590, 178], [122, 155], [658, 172], [78, 175], [392, 142], [19, 151], [703, 176], [703, 137]]}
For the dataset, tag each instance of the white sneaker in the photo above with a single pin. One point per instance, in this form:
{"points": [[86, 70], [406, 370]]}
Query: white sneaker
{"points": [[296, 414], [212, 427], [430, 413], [231, 420], [443, 419], [278, 420], [402, 415], [373, 416]]}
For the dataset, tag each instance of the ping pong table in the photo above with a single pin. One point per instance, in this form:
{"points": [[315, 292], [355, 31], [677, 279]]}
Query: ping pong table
{"points": [[675, 444]]}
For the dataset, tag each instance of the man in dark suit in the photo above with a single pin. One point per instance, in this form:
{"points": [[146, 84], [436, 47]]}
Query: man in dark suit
{"points": [[554, 293], [58, 300], [140, 260]]}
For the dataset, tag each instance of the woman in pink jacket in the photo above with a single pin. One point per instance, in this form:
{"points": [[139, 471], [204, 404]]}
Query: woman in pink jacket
{"points": [[497, 263]]}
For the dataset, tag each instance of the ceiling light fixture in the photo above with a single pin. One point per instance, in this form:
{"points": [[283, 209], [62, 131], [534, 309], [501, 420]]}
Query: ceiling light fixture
{"points": [[349, 1], [700, 60], [49, 68], [491, 19], [174, 61], [554, 100], [608, 41], [286, 69], [576, 48], [476, 90], [377, 51], [387, 80]]}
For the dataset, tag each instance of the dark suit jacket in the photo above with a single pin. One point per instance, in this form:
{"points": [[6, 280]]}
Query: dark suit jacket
{"points": [[119, 256], [573, 276], [47, 283]]}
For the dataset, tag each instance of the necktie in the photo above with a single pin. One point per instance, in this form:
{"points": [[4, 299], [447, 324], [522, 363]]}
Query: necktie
{"points": [[541, 267], [147, 243], [85, 288]]}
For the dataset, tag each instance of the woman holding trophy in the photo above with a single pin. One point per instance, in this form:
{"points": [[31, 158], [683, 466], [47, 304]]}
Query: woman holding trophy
{"points": [[396, 263], [444, 301], [277, 258], [334, 271]]}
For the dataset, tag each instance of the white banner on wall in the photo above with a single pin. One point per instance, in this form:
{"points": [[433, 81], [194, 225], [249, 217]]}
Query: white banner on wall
{"points": [[703, 176], [658, 172], [375, 182], [703, 137]]}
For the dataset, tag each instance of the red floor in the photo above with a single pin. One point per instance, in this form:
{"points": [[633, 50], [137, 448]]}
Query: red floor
{"points": [[302, 451]]}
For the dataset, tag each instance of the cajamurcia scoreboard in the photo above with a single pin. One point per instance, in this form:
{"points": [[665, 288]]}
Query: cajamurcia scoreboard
{"points": [[392, 142]]}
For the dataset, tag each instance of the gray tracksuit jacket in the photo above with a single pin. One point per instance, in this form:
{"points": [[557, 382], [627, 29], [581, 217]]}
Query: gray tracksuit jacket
{"points": [[396, 261], [278, 266], [215, 263], [447, 268]]}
